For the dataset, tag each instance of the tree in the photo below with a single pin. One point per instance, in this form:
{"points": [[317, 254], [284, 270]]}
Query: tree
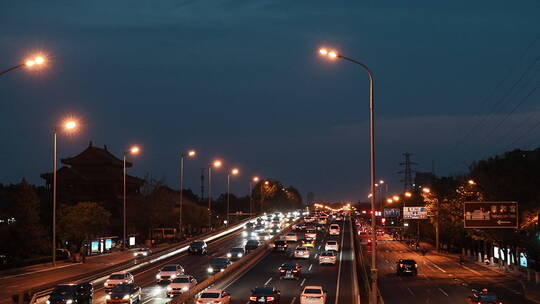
{"points": [[82, 222]]}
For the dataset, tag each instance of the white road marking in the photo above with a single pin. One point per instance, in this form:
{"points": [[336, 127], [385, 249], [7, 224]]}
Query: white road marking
{"points": [[387, 261], [303, 281], [410, 291], [270, 279], [471, 270], [293, 299], [311, 265], [148, 300], [340, 260], [435, 265], [444, 293]]}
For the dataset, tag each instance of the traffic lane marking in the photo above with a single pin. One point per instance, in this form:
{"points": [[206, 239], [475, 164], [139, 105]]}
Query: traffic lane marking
{"points": [[268, 281]]}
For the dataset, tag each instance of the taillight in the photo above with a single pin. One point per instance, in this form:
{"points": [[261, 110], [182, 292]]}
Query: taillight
{"points": [[400, 265], [415, 265], [253, 298], [295, 270], [270, 298], [282, 270]]}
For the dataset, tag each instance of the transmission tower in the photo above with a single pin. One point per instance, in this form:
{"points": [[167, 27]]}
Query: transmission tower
{"points": [[407, 172]]}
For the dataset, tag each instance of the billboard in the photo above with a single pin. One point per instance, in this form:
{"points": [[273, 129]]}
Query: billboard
{"points": [[392, 212], [415, 213], [490, 215]]}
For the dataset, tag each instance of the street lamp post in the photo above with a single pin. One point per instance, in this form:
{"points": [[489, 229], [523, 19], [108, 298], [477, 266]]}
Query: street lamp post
{"points": [[334, 55], [133, 150], [234, 171], [216, 164], [190, 153], [69, 125], [255, 180], [38, 60]]}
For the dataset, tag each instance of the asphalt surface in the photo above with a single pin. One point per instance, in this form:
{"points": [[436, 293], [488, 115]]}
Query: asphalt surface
{"points": [[441, 279], [265, 272]]}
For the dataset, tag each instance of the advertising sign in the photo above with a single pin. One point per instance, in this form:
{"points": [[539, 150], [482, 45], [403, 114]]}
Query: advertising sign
{"points": [[108, 244], [392, 212], [415, 213], [491, 215], [131, 241], [94, 246], [522, 260]]}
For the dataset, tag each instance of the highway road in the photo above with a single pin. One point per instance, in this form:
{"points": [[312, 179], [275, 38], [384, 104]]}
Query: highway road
{"points": [[330, 277], [441, 279]]}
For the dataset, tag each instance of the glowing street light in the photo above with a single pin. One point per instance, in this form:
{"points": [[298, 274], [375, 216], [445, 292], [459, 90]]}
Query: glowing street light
{"points": [[426, 190], [214, 164], [395, 198], [389, 200], [408, 194], [69, 125], [38, 60], [472, 182], [189, 154], [255, 179], [233, 171], [133, 150], [332, 54]]}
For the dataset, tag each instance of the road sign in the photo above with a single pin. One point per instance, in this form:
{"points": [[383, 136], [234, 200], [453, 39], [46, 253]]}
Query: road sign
{"points": [[415, 213], [491, 215], [392, 212]]}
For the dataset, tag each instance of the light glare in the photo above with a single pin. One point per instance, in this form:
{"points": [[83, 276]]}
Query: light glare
{"points": [[134, 150]]}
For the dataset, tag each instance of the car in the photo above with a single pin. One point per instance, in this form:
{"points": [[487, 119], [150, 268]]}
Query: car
{"points": [[280, 245], [331, 245], [251, 245], [259, 227], [301, 253], [218, 264], [180, 285], [299, 227], [322, 220], [308, 243], [142, 252], [483, 297], [313, 295], [291, 237], [320, 227], [249, 225], [311, 234], [289, 271], [263, 236], [236, 253], [249, 233], [327, 257], [198, 247], [169, 272], [118, 278], [212, 296], [334, 229], [76, 293], [124, 293], [275, 230], [265, 294], [406, 266]]}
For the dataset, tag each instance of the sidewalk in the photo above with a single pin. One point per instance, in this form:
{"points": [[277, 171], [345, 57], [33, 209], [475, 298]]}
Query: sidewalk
{"points": [[531, 290]]}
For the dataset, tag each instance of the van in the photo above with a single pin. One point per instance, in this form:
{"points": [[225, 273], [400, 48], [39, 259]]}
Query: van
{"points": [[334, 229]]}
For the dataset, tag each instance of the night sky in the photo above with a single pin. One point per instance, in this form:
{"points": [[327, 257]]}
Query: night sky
{"points": [[242, 80]]}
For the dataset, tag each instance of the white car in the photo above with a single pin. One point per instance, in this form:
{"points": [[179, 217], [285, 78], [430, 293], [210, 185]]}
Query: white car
{"points": [[311, 234], [334, 229], [169, 273], [331, 245], [313, 295], [291, 237], [180, 285], [142, 252], [301, 253], [118, 278], [211, 296], [263, 236], [327, 257]]}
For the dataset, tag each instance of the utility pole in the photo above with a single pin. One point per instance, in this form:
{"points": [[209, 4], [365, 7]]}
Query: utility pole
{"points": [[407, 172]]}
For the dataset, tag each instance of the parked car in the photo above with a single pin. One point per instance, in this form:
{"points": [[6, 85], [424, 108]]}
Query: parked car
{"points": [[76, 293], [264, 294], [313, 295], [211, 296], [180, 285], [118, 278], [218, 264], [289, 271], [236, 253], [169, 272], [198, 247], [142, 252], [327, 257], [124, 293], [405, 266]]}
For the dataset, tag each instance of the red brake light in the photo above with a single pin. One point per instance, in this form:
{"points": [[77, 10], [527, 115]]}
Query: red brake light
{"points": [[400, 265], [282, 270], [253, 298], [295, 270], [416, 266], [270, 298]]}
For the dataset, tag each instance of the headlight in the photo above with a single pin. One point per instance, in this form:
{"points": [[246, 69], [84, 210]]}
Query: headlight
{"points": [[240, 255], [185, 288], [69, 301], [222, 270], [229, 255], [145, 254], [158, 276], [134, 254], [126, 297], [106, 284], [210, 269], [47, 302], [108, 297], [169, 288], [173, 276], [279, 230], [244, 234]]}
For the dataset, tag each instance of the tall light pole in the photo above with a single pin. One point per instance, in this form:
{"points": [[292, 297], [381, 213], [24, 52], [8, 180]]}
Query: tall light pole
{"points": [[68, 125], [233, 172], [216, 164], [254, 181], [30, 63], [133, 150], [191, 154], [334, 55], [266, 183]]}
